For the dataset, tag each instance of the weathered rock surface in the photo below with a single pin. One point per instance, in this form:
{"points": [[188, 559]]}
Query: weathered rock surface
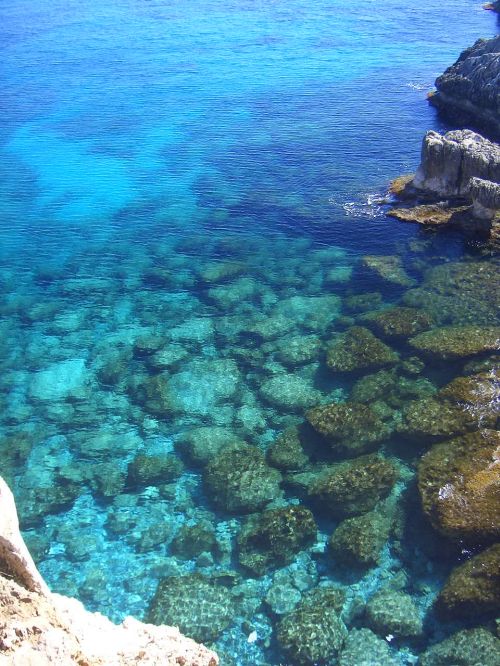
{"points": [[450, 161], [485, 196], [469, 647], [468, 90], [459, 484], [44, 629]]}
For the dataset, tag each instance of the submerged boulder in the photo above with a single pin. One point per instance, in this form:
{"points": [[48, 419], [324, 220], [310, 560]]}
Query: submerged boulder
{"points": [[394, 612], [354, 486], [459, 484], [456, 342], [473, 588], [239, 480], [289, 451], [273, 538], [313, 633], [290, 392], [201, 607], [435, 419], [147, 470], [388, 268], [350, 428], [359, 350], [364, 648], [399, 323], [470, 647], [359, 541]]}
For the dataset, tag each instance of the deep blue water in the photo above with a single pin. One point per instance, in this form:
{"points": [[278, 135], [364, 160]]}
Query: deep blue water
{"points": [[143, 140]]}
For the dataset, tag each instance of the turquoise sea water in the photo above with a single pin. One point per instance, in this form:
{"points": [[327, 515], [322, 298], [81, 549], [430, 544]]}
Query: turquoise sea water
{"points": [[176, 179]]}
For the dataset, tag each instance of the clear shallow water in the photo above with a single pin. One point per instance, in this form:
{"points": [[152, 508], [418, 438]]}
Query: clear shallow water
{"points": [[143, 141]]}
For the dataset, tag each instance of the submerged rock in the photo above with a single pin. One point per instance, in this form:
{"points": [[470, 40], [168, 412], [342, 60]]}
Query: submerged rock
{"points": [[192, 540], [273, 538], [288, 453], [313, 633], [354, 486], [459, 484], [290, 392], [467, 92], [201, 607], [359, 541], [455, 342], [147, 470], [239, 480], [350, 428], [435, 419], [470, 647], [364, 648], [399, 322], [473, 588], [202, 444], [388, 268], [393, 612], [358, 350], [298, 349]]}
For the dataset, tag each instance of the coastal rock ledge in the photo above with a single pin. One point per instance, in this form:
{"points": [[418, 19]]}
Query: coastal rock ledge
{"points": [[468, 91], [40, 628]]}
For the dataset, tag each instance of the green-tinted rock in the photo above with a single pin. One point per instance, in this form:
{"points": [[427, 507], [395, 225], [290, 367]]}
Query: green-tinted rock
{"points": [[202, 444], [313, 633], [354, 486], [358, 350], [399, 323], [239, 480], [459, 484], [350, 428], [220, 271], [473, 588], [290, 392], [389, 268], [393, 612], [288, 452], [359, 541], [192, 540], [477, 394], [152, 394], [391, 387], [298, 349], [147, 470], [201, 607], [107, 479], [435, 419], [456, 342], [364, 648], [363, 302], [273, 538], [470, 647]]}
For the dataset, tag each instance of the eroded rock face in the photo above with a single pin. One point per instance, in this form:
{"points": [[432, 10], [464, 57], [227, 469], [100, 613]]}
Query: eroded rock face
{"points": [[485, 197], [468, 90], [450, 161]]}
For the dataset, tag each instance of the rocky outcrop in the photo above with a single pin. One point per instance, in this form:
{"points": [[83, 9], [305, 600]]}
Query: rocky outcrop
{"points": [[485, 197], [449, 162], [46, 629], [468, 91]]}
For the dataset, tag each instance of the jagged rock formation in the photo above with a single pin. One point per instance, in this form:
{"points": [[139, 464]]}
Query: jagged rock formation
{"points": [[450, 161], [458, 183], [39, 628], [469, 91]]}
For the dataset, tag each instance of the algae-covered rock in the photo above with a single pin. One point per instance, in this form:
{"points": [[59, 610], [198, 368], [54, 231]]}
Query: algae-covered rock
{"points": [[477, 394], [288, 452], [393, 612], [459, 292], [393, 388], [435, 419], [201, 607], [456, 342], [220, 271], [239, 480], [365, 302], [289, 392], [354, 486], [313, 633], [364, 648], [473, 588], [147, 470], [399, 323], [359, 541], [200, 445], [389, 268], [314, 313], [152, 394], [192, 540], [274, 326], [358, 350], [298, 349], [274, 537], [470, 647], [459, 484], [349, 427]]}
